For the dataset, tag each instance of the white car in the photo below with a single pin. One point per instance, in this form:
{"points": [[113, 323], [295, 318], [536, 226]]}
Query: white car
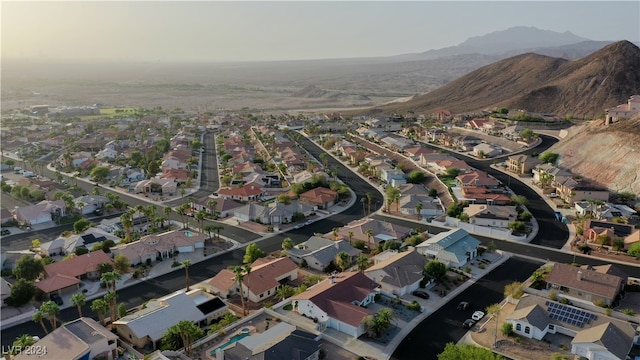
{"points": [[477, 315]]}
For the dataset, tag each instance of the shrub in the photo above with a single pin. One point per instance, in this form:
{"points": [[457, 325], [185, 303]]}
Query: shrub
{"points": [[482, 266], [553, 295], [517, 340], [507, 329], [599, 302]]}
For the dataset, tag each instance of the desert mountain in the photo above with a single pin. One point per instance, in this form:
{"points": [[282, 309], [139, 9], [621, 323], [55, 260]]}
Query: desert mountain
{"points": [[588, 150], [538, 83]]}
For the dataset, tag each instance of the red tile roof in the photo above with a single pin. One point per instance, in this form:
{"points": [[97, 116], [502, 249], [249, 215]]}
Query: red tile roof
{"points": [[224, 280], [245, 191], [335, 298], [590, 281], [78, 265], [319, 195], [264, 274], [56, 282]]}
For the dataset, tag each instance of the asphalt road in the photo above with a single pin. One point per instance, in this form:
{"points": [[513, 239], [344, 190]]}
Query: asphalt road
{"points": [[429, 338]]}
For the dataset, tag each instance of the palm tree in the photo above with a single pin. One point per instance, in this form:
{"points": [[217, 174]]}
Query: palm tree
{"points": [[110, 279], [209, 229], [362, 262], [185, 265], [111, 299], [51, 309], [369, 198], [494, 310], [217, 228], [386, 316], [364, 201], [343, 260], [167, 212], [38, 316], [369, 234], [200, 215], [182, 211], [335, 233], [350, 236], [287, 244], [24, 341], [212, 206], [189, 332], [419, 210], [240, 273], [127, 224], [284, 292], [101, 307], [79, 299]]}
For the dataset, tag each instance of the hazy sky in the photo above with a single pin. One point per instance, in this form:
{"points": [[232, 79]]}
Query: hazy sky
{"points": [[264, 30]]}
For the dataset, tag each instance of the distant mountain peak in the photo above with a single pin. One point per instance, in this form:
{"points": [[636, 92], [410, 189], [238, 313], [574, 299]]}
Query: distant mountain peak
{"points": [[523, 37]]}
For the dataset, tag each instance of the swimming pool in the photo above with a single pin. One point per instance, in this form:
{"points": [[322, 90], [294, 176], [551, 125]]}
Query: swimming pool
{"points": [[233, 339]]}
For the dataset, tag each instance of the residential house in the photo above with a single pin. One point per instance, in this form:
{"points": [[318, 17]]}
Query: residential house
{"points": [[522, 164], [399, 274], [79, 339], [107, 154], [593, 230], [434, 134], [265, 278], [147, 326], [585, 284], [477, 178], [595, 336], [466, 142], [454, 248], [430, 207], [415, 152], [41, 212], [179, 176], [391, 175], [160, 246], [65, 276], [247, 192], [222, 207], [66, 245], [163, 187], [397, 142], [547, 175], [624, 111], [513, 132], [320, 197], [339, 302], [571, 190], [281, 341], [87, 204], [603, 211], [442, 165], [491, 215], [485, 150], [5, 216], [374, 232], [476, 124], [176, 159], [319, 253]]}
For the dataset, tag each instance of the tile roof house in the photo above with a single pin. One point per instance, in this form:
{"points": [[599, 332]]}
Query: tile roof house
{"points": [[430, 207], [339, 302], [83, 338], [63, 245], [482, 195], [623, 111], [595, 228], [477, 178], [5, 216], [319, 252], [321, 197], [166, 187], [595, 336], [146, 326], [222, 208], [381, 231], [248, 192], [274, 214], [586, 284], [441, 166], [522, 164], [491, 215], [399, 274], [261, 283], [64, 276], [41, 212], [160, 246], [454, 248], [87, 204], [487, 150]]}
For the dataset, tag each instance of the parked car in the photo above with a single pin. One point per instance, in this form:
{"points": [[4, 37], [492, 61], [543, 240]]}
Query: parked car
{"points": [[477, 315], [56, 298], [553, 195], [298, 226], [468, 324], [463, 306], [420, 294]]}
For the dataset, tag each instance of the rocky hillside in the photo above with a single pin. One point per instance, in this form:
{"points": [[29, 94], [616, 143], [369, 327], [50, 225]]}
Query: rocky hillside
{"points": [[609, 155], [582, 88]]}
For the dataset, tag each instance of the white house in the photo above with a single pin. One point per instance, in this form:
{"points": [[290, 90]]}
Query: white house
{"points": [[339, 302], [454, 248], [41, 212], [400, 274], [491, 215], [87, 204]]}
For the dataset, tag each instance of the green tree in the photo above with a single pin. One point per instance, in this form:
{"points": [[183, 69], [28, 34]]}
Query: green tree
{"points": [[284, 292], [526, 216], [342, 260], [284, 199], [122, 310], [452, 172], [101, 307], [435, 270], [22, 291], [416, 177], [494, 310], [514, 290], [527, 134], [634, 250], [81, 225], [28, 268], [240, 272], [121, 263], [252, 253], [465, 352], [51, 310], [99, 173], [186, 332], [38, 317], [287, 244], [517, 226], [548, 157], [79, 299], [433, 192], [507, 329], [21, 343], [519, 200], [185, 265], [362, 262]]}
